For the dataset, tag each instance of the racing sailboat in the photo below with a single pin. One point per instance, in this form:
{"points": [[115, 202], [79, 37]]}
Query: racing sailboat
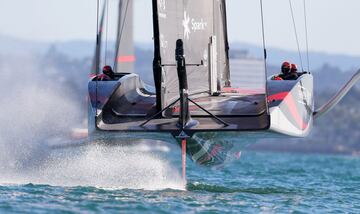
{"points": [[195, 100]]}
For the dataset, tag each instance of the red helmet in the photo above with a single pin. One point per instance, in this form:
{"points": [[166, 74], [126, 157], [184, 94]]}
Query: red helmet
{"points": [[108, 70], [285, 67], [294, 68]]}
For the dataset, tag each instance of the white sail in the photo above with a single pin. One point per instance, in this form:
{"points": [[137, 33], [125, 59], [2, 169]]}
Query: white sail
{"points": [[125, 54], [201, 25]]}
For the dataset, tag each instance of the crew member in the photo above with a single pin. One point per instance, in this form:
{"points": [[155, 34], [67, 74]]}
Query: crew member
{"points": [[107, 75], [293, 74], [295, 70], [107, 70], [285, 70]]}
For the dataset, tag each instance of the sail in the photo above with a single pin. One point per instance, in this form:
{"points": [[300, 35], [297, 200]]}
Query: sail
{"points": [[95, 68], [200, 24], [125, 56], [220, 27]]}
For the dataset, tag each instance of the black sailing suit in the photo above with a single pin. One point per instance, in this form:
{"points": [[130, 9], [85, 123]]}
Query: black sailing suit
{"points": [[289, 76]]}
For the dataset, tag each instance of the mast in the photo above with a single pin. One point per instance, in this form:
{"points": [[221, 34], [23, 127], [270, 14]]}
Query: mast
{"points": [[227, 47], [157, 56], [100, 25]]}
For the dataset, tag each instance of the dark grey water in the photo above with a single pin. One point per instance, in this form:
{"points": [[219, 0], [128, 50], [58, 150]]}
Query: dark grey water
{"points": [[120, 180]]}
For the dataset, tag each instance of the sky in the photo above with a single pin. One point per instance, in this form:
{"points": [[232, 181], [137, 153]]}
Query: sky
{"points": [[332, 24]]}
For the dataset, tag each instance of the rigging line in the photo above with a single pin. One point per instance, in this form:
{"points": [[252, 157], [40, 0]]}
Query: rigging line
{"points": [[97, 26], [296, 34], [97, 58], [307, 38], [107, 31], [265, 52], [263, 32]]}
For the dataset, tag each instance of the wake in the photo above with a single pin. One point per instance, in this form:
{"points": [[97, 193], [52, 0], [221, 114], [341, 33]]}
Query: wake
{"points": [[98, 166], [34, 111]]}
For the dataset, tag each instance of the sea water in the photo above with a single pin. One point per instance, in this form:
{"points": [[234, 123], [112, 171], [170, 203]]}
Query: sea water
{"points": [[116, 179]]}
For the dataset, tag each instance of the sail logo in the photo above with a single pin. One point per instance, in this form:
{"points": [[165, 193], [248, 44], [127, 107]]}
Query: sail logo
{"points": [[200, 25], [162, 4], [162, 8], [196, 25], [186, 26]]}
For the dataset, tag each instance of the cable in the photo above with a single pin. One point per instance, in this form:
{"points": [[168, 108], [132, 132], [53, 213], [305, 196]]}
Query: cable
{"points": [[107, 31], [263, 31], [307, 40], [96, 63], [296, 35], [265, 52]]}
